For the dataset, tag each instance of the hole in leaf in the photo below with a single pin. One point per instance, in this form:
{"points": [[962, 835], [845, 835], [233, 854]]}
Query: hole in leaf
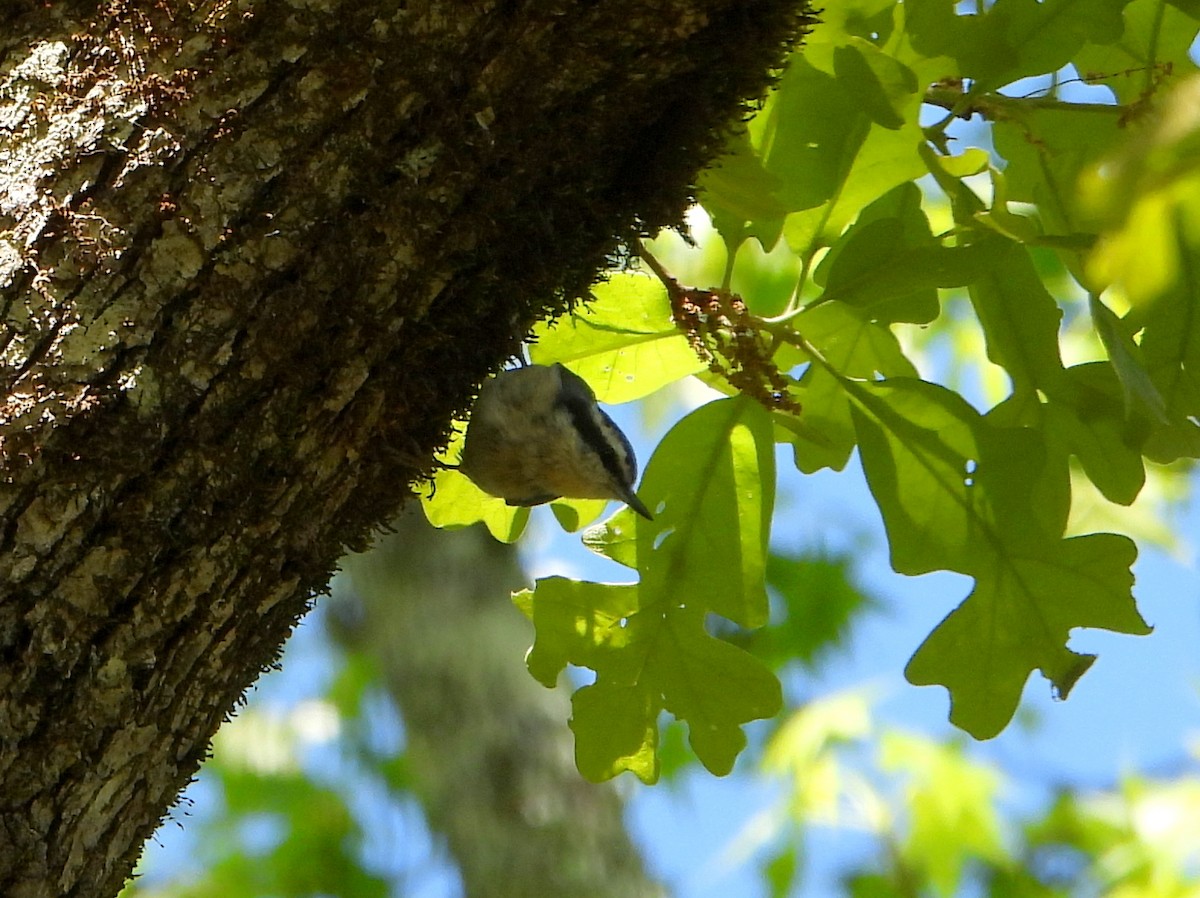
{"points": [[580, 676], [971, 466], [661, 537]]}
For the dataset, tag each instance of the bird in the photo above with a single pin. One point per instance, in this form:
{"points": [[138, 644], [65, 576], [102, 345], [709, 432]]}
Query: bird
{"points": [[536, 434]]}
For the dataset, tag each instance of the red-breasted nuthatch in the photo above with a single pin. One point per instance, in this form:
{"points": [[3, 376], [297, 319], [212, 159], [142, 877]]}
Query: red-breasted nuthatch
{"points": [[536, 434]]}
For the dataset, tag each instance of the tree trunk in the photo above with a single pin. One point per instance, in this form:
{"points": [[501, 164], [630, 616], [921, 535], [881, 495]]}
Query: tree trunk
{"points": [[254, 257]]}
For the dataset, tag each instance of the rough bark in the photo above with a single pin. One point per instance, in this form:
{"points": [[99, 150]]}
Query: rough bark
{"points": [[487, 746], [254, 256]]}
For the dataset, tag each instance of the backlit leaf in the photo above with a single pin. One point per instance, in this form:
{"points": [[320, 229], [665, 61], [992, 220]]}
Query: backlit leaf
{"points": [[453, 501], [1095, 428], [951, 489], [1020, 319], [1017, 620], [623, 343], [710, 484], [1141, 395], [1014, 39], [650, 653]]}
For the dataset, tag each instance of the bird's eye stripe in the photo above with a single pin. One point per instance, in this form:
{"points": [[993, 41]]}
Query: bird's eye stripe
{"points": [[587, 420]]}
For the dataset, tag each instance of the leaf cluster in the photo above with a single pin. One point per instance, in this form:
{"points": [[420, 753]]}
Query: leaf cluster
{"points": [[900, 179]]}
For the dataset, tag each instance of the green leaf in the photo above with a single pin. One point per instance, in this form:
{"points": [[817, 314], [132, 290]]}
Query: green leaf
{"points": [[887, 159], [713, 686], [875, 885], [1048, 33], [349, 688], [953, 806], [1048, 149], [648, 656], [624, 342], [582, 623], [952, 490], [1001, 219], [868, 253], [1148, 196], [740, 195], [615, 539], [918, 452], [883, 85], [779, 871], [822, 435], [573, 514], [616, 729], [1171, 351], [889, 264], [1015, 38], [852, 344], [455, 502], [766, 281], [832, 158], [972, 161], [1017, 620], [935, 29], [319, 837], [871, 20], [1168, 444], [1154, 34], [879, 160], [1026, 469], [1171, 342], [820, 601], [901, 208], [1141, 395], [965, 204], [1093, 426], [711, 483], [1020, 319], [887, 291], [813, 135]]}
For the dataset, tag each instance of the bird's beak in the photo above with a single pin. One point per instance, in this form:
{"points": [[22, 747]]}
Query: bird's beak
{"points": [[632, 500]]}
